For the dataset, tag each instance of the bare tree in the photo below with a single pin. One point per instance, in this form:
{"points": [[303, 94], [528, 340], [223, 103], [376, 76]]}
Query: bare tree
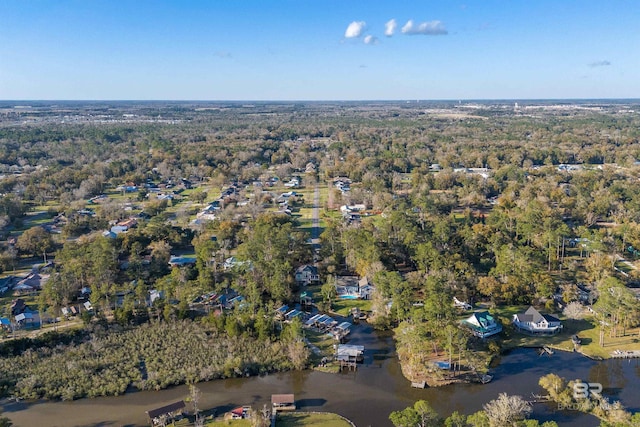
{"points": [[574, 310], [195, 394], [507, 410]]}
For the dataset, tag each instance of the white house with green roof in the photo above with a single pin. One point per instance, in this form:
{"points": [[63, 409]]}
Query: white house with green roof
{"points": [[482, 324]]}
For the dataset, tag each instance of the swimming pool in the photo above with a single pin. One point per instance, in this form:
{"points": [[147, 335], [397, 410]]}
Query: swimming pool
{"points": [[348, 296]]}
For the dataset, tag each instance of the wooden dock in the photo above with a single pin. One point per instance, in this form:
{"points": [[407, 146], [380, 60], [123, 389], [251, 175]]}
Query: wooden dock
{"points": [[627, 354], [422, 384], [348, 364]]}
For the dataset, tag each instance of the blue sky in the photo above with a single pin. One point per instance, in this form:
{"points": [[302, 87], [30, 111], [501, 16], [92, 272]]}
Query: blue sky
{"points": [[318, 50]]}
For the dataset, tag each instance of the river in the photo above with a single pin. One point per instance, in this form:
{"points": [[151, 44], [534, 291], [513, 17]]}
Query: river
{"points": [[366, 396]]}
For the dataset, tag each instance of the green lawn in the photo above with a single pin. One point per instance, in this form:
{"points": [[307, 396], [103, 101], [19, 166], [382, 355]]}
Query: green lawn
{"points": [[233, 423], [323, 341], [308, 419], [343, 306]]}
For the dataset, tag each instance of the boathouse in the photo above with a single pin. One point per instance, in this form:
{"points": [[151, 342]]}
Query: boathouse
{"points": [[283, 402], [161, 415]]}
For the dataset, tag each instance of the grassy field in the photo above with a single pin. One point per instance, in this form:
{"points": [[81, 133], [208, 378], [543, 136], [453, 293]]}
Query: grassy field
{"points": [[308, 419]]}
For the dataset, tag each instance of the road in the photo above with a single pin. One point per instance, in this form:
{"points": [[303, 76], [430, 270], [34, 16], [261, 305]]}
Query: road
{"points": [[315, 219]]}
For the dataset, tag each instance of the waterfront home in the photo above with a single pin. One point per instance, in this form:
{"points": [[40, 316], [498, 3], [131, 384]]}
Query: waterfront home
{"points": [[532, 321], [341, 331], [239, 413], [349, 353], [307, 274], [482, 324]]}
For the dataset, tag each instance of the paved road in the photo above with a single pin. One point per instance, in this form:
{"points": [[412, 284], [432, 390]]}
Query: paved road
{"points": [[315, 223]]}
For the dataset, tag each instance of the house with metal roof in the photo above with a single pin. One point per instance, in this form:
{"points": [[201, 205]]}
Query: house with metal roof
{"points": [[482, 324], [532, 321]]}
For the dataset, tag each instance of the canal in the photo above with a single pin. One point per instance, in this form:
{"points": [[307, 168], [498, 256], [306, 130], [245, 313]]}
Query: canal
{"points": [[366, 396]]}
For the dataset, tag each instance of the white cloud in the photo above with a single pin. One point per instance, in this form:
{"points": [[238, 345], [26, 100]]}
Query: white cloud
{"points": [[603, 63], [390, 27], [370, 40], [429, 28], [355, 29]]}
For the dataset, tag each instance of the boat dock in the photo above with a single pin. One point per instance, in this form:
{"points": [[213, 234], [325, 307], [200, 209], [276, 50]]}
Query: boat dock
{"points": [[627, 354], [349, 355]]}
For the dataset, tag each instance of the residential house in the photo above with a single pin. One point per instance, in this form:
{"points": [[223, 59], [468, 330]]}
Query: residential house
{"points": [[239, 413], [7, 283], [310, 168], [33, 281], [179, 261], [461, 304], [532, 321], [293, 182], [5, 324], [348, 209], [307, 274], [109, 234], [27, 318], [18, 306], [230, 262], [482, 324], [124, 226]]}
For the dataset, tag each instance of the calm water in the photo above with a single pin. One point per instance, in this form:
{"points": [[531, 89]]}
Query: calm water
{"points": [[366, 396]]}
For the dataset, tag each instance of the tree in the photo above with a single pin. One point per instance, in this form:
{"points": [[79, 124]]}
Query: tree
{"points": [[194, 396], [557, 388], [421, 415], [329, 292], [616, 305], [261, 419], [428, 416], [506, 410], [408, 417], [574, 310], [4, 421], [456, 420], [479, 419], [35, 240]]}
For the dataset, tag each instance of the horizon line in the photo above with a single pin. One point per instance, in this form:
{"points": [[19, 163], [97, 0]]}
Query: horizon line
{"points": [[407, 100]]}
